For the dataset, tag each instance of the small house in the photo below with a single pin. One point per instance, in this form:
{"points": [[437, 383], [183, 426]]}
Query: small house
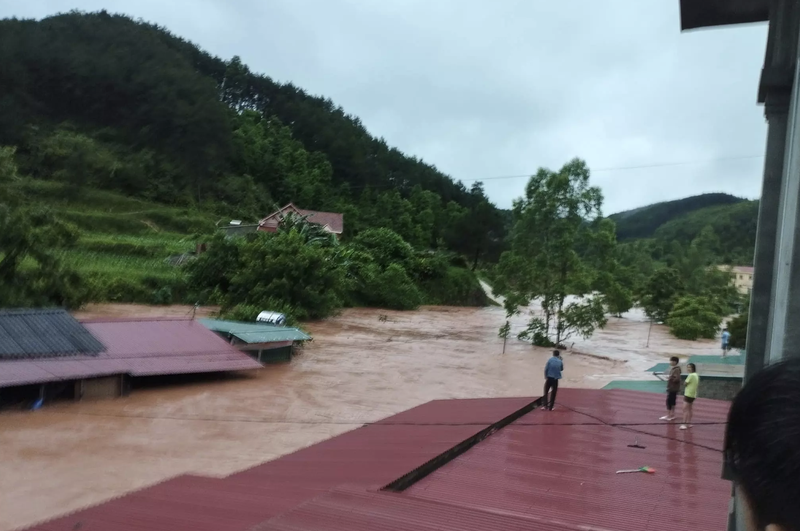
{"points": [[331, 221], [267, 343]]}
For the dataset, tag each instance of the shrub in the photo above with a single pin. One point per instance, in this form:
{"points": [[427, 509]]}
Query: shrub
{"points": [[456, 287], [738, 329], [394, 289], [242, 312], [281, 268], [386, 246], [693, 318], [119, 289], [162, 296]]}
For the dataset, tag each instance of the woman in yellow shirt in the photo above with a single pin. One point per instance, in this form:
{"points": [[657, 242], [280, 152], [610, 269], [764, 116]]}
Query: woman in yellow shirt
{"points": [[689, 394]]}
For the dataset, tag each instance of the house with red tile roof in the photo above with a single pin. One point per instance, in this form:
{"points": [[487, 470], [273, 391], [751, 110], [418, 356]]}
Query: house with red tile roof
{"points": [[331, 221]]}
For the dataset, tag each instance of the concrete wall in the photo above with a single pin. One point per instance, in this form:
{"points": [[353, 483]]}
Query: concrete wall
{"points": [[719, 388]]}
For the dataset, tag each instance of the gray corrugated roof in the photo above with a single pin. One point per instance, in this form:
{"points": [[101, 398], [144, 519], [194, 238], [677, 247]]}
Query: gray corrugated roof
{"points": [[44, 333], [255, 332]]}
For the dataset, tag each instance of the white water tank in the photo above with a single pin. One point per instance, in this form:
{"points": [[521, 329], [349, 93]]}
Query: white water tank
{"points": [[271, 318]]}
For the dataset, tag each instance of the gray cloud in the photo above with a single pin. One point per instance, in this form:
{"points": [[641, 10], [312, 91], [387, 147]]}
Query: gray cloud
{"points": [[485, 89]]}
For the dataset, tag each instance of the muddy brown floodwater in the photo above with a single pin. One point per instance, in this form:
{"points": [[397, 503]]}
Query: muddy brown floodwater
{"points": [[357, 370]]}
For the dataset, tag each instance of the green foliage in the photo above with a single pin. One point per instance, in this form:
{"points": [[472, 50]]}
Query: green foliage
{"points": [[581, 318], [394, 289], [243, 312], [618, 299], [694, 317], [31, 272], [102, 101], [386, 247], [727, 232], [643, 222], [661, 292], [505, 330], [453, 286], [559, 246], [8, 166], [311, 233], [738, 330], [281, 267], [538, 333], [477, 231]]}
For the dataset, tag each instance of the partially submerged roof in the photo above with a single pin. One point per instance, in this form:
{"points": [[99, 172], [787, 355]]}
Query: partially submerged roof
{"points": [[138, 348], [470, 464], [37, 333], [708, 13], [255, 332]]}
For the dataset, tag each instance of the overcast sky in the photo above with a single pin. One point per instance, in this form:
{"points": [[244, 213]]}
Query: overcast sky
{"points": [[486, 89]]}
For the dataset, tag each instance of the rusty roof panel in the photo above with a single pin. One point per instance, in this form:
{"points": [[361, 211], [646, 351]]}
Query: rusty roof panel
{"points": [[619, 406], [546, 471], [350, 508], [565, 471], [475, 411]]}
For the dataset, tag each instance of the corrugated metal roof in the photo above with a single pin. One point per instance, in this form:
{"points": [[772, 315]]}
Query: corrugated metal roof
{"points": [[137, 348], [37, 333], [545, 471], [255, 332]]}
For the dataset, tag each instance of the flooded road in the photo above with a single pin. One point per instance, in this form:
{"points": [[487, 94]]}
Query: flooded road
{"points": [[357, 370]]}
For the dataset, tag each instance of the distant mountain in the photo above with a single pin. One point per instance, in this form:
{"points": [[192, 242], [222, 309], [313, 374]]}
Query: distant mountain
{"points": [[643, 222]]}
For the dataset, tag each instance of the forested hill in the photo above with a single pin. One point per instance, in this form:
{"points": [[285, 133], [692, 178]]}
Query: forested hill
{"points": [[645, 221], [103, 101], [725, 225]]}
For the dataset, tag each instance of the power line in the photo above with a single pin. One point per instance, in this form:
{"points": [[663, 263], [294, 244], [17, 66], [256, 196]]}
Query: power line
{"points": [[382, 186], [622, 168]]}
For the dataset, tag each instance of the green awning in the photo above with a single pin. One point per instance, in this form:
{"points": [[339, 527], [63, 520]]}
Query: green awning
{"points": [[253, 333], [650, 386], [717, 360]]}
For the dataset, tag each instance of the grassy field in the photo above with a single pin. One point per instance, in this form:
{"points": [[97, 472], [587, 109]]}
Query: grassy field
{"points": [[125, 245]]}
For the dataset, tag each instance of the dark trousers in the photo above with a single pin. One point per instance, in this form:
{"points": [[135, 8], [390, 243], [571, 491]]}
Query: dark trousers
{"points": [[551, 387]]}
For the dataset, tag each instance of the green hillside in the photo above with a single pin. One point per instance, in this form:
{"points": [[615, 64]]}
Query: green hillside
{"points": [[734, 230], [121, 146], [124, 244], [643, 222], [103, 101]]}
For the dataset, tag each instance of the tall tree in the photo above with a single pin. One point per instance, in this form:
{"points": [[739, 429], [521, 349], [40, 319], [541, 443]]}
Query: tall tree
{"points": [[559, 214], [661, 292], [478, 230]]}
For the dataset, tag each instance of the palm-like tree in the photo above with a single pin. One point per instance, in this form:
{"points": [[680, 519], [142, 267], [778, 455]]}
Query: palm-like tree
{"points": [[313, 233]]}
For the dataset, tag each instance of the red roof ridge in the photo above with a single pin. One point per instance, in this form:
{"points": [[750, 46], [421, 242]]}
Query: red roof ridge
{"points": [[132, 319]]}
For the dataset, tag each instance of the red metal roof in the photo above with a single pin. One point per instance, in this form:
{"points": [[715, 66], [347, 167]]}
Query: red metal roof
{"points": [[138, 348], [545, 471]]}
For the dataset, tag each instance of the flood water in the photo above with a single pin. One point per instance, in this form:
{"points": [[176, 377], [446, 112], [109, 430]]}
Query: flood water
{"points": [[357, 370]]}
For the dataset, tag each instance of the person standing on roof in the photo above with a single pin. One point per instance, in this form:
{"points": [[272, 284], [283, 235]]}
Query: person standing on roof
{"points": [[673, 387], [689, 395], [552, 374]]}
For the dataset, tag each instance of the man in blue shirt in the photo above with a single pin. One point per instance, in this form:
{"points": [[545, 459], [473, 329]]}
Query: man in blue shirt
{"points": [[726, 337], [552, 374]]}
